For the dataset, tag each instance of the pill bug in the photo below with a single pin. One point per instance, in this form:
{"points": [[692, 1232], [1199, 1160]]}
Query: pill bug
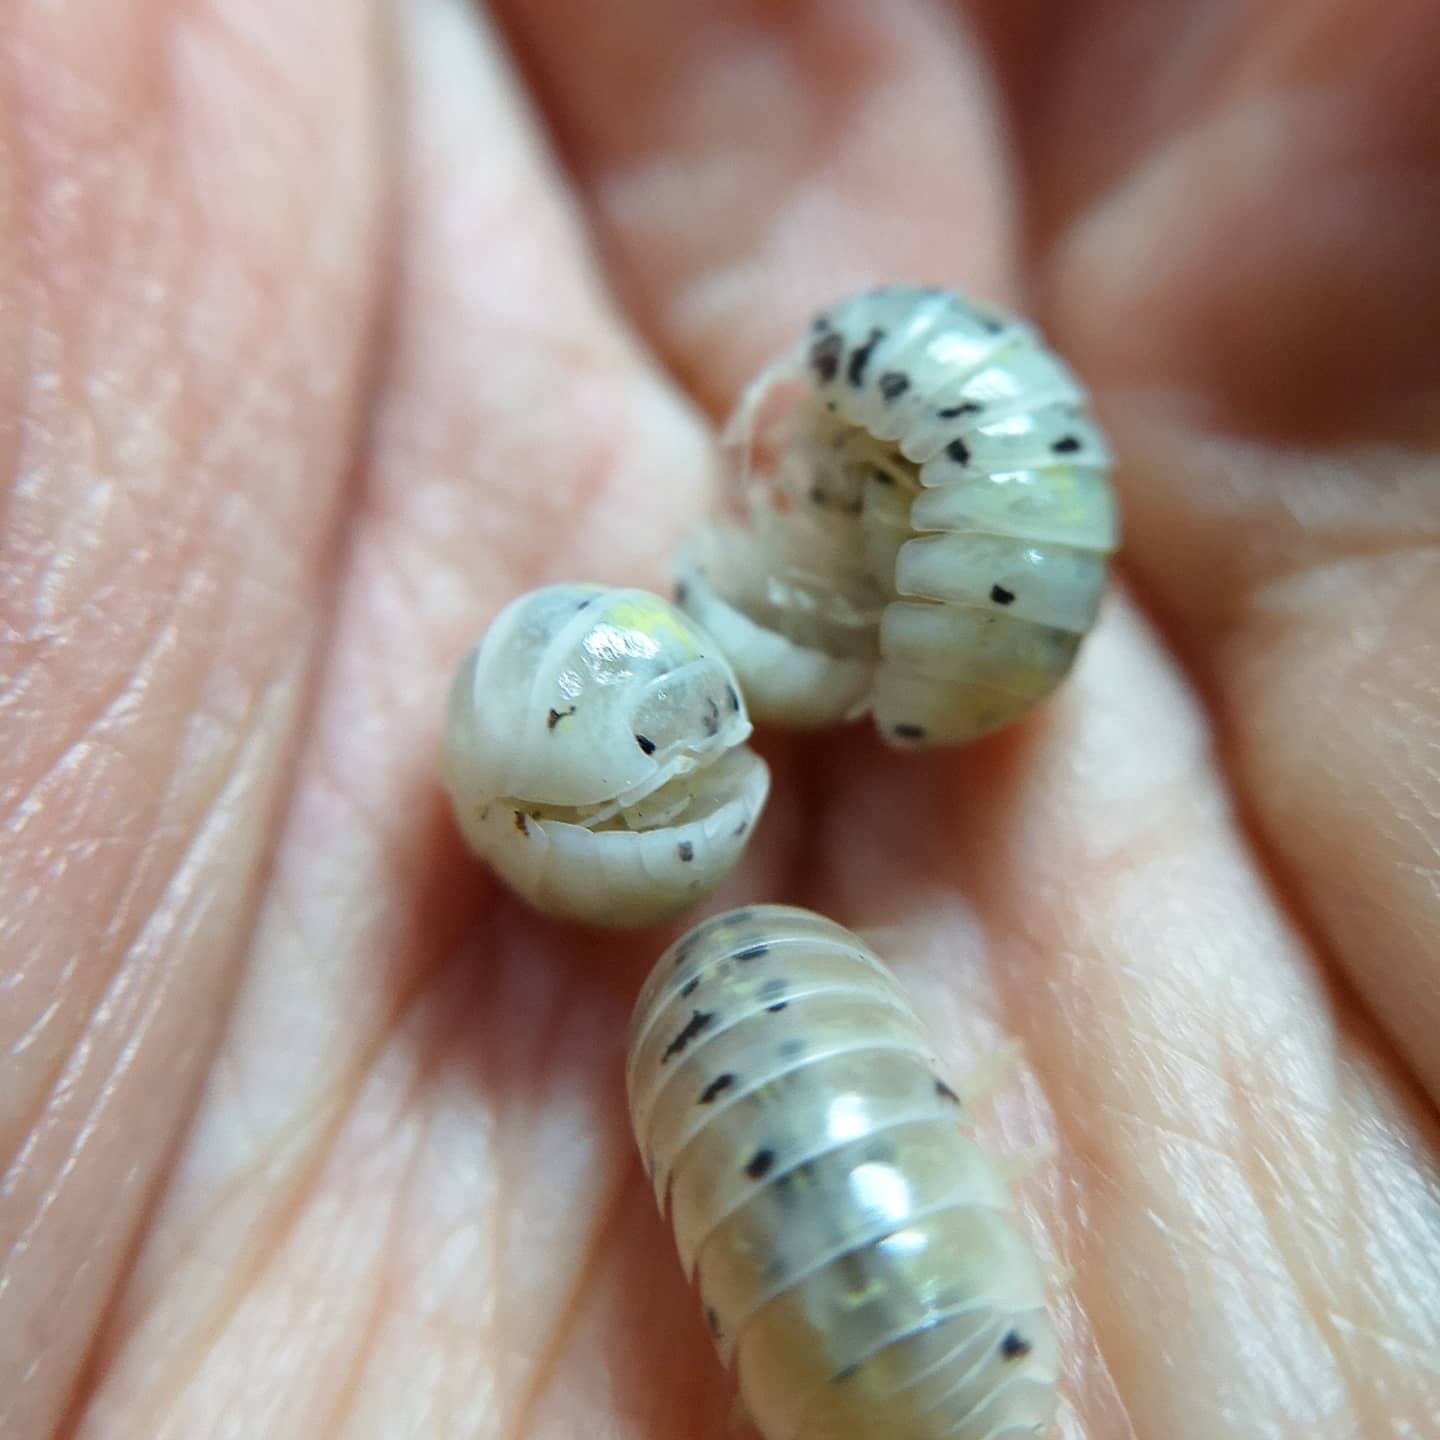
{"points": [[595, 755], [851, 1244], [918, 523]]}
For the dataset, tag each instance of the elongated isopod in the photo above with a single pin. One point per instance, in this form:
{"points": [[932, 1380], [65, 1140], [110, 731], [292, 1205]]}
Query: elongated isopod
{"points": [[919, 526], [595, 755], [851, 1243]]}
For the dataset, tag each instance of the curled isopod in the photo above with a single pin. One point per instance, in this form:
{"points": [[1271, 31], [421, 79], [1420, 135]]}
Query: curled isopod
{"points": [[595, 755], [919, 524], [852, 1245]]}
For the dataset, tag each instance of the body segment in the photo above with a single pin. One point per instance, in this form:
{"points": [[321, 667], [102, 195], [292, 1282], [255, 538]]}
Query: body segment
{"points": [[921, 523], [595, 755], [850, 1241]]}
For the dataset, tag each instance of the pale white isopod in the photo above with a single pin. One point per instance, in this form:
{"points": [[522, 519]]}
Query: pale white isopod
{"points": [[919, 526], [852, 1245], [595, 755]]}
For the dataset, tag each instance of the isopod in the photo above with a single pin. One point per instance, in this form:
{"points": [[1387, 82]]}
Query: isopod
{"points": [[919, 524], [852, 1245], [595, 755]]}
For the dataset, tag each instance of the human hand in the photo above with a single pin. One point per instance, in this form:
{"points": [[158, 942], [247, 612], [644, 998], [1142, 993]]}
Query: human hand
{"points": [[314, 355]]}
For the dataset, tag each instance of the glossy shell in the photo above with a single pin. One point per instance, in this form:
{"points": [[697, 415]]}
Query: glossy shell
{"points": [[595, 755], [851, 1243], [919, 527]]}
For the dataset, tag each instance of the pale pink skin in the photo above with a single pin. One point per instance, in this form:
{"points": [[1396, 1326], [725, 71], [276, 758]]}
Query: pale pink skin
{"points": [[312, 355]]}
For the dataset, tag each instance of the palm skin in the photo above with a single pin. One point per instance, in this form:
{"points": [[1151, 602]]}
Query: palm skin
{"points": [[323, 333]]}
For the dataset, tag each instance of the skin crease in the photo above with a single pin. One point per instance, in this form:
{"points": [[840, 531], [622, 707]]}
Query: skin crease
{"points": [[328, 327]]}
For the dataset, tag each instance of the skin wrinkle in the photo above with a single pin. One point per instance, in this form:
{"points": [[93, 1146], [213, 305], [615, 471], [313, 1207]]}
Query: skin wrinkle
{"points": [[183, 1369], [119, 702], [324, 1118], [206, 818], [1292, 1272], [1280, 1212], [185, 833], [1269, 862], [513, 1137], [56, 1086], [563, 952], [145, 1017], [348, 1389], [1213, 1254], [609, 1212]]}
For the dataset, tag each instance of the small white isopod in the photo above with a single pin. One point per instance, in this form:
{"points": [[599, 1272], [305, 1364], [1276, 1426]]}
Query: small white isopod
{"points": [[595, 755], [919, 526], [852, 1245]]}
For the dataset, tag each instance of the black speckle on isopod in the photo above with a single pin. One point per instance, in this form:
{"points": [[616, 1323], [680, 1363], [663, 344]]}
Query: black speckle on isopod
{"points": [[860, 357], [1066, 445], [713, 1321], [690, 987], [893, 384], [733, 696], [681, 592], [556, 716], [698, 1022], [711, 722], [716, 1088], [646, 744], [757, 1167], [946, 1093], [751, 952], [825, 356], [965, 407], [1015, 1346], [686, 851], [1001, 596], [521, 823], [959, 452], [909, 732]]}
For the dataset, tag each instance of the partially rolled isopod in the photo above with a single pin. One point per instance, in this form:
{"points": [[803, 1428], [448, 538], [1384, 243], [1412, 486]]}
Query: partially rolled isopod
{"points": [[919, 526], [595, 755], [853, 1246]]}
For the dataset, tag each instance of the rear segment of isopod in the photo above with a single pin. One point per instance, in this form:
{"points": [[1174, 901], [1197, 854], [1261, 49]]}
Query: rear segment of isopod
{"points": [[922, 515], [595, 755], [852, 1244]]}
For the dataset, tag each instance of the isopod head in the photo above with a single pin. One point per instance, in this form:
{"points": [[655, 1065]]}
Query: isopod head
{"points": [[852, 1242], [918, 525], [595, 755]]}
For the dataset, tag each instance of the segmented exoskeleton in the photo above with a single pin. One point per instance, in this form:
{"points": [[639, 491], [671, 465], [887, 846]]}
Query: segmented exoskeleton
{"points": [[919, 525], [851, 1242], [595, 755]]}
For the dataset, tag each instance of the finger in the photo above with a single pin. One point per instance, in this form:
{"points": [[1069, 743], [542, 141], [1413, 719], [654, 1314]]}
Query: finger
{"points": [[189, 210], [417, 1133], [1255, 302], [1238, 1153], [769, 158]]}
